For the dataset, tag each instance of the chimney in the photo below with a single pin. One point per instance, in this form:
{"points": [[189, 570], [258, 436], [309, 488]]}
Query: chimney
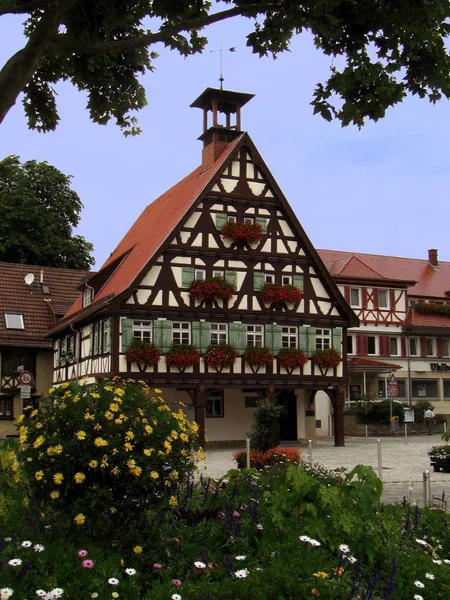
{"points": [[433, 258], [216, 137]]}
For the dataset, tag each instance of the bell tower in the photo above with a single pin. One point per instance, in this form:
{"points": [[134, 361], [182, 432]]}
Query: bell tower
{"points": [[216, 136]]}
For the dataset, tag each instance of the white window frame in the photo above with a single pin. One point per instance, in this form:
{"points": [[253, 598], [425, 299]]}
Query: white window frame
{"points": [[417, 342], [219, 334], [386, 306], [433, 346], [286, 279], [142, 330], [231, 219], [397, 341], [358, 304], [289, 336], [269, 278], [213, 402], [249, 220], [323, 339], [199, 274], [183, 330], [255, 335], [88, 294], [10, 316], [377, 350], [218, 273], [353, 338]]}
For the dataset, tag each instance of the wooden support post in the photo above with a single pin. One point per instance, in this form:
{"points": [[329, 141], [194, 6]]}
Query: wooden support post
{"points": [[200, 412], [271, 393], [339, 402]]}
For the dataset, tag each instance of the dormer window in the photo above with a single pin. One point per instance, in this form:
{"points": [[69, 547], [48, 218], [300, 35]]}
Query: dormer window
{"points": [[87, 296], [14, 321]]}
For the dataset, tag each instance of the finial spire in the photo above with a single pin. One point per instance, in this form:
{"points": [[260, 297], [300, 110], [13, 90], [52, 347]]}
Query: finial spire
{"points": [[232, 49]]}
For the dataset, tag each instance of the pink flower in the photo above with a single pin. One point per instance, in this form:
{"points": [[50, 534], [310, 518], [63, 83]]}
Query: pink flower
{"points": [[243, 507], [176, 582], [236, 514], [157, 566], [82, 553], [88, 564]]}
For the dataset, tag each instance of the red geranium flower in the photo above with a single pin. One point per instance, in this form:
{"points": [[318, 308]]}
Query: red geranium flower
{"points": [[257, 356], [143, 352], [220, 356], [209, 289], [249, 232], [290, 358], [274, 293], [326, 358], [182, 356]]}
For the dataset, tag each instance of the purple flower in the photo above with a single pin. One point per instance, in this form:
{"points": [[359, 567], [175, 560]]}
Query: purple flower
{"points": [[82, 553], [157, 566], [88, 564], [176, 582], [236, 514]]}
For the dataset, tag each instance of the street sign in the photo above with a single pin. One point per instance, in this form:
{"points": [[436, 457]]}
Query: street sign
{"points": [[25, 378], [392, 379], [25, 391], [393, 391]]}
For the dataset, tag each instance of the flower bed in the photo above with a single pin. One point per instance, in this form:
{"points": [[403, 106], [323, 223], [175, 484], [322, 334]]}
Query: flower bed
{"points": [[432, 308], [220, 356], [290, 358], [143, 352], [260, 460], [248, 232], [326, 359], [274, 293], [440, 457], [183, 356], [210, 289], [258, 356]]}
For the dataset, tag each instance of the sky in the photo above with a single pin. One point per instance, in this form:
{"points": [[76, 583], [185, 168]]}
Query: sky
{"points": [[381, 190]]}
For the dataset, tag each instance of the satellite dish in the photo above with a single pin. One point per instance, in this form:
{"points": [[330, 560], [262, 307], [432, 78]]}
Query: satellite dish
{"points": [[29, 278]]}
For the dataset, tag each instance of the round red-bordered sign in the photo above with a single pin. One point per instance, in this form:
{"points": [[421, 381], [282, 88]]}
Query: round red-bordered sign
{"points": [[26, 378], [393, 391]]}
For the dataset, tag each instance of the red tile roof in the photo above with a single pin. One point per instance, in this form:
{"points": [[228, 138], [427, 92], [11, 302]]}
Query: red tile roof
{"points": [[39, 309], [153, 227], [354, 267], [368, 363], [430, 282], [417, 319]]}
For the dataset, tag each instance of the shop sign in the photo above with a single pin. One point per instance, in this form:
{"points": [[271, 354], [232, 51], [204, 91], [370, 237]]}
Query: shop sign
{"points": [[439, 367]]}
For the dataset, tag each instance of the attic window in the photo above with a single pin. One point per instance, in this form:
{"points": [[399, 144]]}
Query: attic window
{"points": [[87, 296], [14, 321]]}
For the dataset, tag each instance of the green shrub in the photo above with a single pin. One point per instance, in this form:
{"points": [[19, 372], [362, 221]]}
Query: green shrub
{"points": [[380, 412], [266, 432], [98, 457]]}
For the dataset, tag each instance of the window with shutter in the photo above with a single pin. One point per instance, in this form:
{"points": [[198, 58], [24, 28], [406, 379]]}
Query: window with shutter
{"points": [[258, 281], [231, 277], [127, 334], [162, 334], [218, 334], [289, 337], [263, 223], [187, 276], [237, 336], [201, 335], [272, 337], [221, 219], [297, 281], [337, 339]]}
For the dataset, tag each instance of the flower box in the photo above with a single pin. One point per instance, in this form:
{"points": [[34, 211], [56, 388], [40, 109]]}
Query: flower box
{"points": [[143, 353], [326, 359], [291, 358], [440, 458], [274, 293], [183, 356], [220, 356], [210, 289], [248, 232], [257, 356]]}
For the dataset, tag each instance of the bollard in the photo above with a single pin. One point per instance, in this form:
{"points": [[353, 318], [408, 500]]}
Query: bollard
{"points": [[248, 453], [406, 434], [426, 484], [310, 451], [367, 433], [380, 464]]}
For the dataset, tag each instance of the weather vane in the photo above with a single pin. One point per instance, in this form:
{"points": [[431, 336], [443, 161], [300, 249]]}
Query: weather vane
{"points": [[232, 49]]}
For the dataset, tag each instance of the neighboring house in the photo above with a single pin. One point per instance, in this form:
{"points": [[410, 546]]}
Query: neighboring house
{"points": [[396, 332], [142, 292], [32, 299]]}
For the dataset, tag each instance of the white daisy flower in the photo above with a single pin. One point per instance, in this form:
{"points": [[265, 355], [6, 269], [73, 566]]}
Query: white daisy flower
{"points": [[447, 561], [344, 548], [314, 543], [422, 542], [56, 592], [26, 544], [6, 593], [199, 564], [352, 559], [260, 527], [8, 539], [113, 581], [429, 575], [304, 538], [437, 562], [130, 571], [176, 597], [242, 573], [41, 593], [241, 557], [38, 548], [419, 584], [418, 597], [15, 562]]}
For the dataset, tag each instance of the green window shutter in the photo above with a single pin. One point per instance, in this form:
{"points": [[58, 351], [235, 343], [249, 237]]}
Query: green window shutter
{"points": [[108, 335], [221, 219], [91, 341], [297, 281], [258, 281], [195, 331], [162, 335], [238, 336], [272, 337], [231, 277], [337, 337], [127, 334], [187, 276], [303, 338], [205, 336], [311, 340], [263, 223], [98, 337]]}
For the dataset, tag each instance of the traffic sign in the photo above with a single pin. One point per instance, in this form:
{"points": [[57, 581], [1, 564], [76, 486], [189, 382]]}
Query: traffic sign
{"points": [[393, 391], [25, 391], [392, 379], [26, 378]]}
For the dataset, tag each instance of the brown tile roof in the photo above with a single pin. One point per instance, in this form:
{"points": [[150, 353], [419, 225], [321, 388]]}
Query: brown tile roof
{"points": [[153, 227], [417, 319], [430, 282], [369, 363], [39, 309], [354, 267]]}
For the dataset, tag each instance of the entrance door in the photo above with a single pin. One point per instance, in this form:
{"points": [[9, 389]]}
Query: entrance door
{"points": [[288, 418]]}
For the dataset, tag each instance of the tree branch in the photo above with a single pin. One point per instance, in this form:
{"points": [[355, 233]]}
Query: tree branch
{"points": [[65, 44], [22, 8]]}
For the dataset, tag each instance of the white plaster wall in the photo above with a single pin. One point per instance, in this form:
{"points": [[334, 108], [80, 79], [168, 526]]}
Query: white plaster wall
{"points": [[236, 422], [323, 410]]}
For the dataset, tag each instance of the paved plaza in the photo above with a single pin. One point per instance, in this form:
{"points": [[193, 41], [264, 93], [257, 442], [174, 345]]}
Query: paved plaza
{"points": [[403, 463]]}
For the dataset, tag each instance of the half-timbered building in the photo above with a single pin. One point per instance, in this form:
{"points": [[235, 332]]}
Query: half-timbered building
{"points": [[144, 292]]}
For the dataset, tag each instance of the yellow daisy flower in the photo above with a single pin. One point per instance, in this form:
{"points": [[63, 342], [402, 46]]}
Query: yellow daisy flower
{"points": [[154, 475], [58, 478], [39, 475], [93, 464], [79, 477], [80, 519], [81, 435], [137, 549], [128, 447], [99, 441], [54, 495], [173, 501]]}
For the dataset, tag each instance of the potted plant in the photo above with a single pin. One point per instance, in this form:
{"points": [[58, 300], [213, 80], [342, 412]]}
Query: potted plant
{"points": [[143, 353], [291, 358], [440, 455], [257, 356], [182, 356], [210, 289], [326, 359], [238, 230], [220, 356], [274, 293]]}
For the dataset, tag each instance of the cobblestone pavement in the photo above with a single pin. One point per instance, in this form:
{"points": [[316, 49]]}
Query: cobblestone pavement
{"points": [[403, 463]]}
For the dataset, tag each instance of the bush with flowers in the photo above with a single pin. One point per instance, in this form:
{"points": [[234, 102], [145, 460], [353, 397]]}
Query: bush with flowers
{"points": [[258, 356], [327, 359], [143, 353], [96, 457], [220, 356], [261, 460], [182, 356], [291, 358], [210, 289], [274, 293], [239, 230]]}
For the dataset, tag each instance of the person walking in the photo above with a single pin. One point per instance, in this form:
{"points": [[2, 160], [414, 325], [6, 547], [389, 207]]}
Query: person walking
{"points": [[428, 417]]}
